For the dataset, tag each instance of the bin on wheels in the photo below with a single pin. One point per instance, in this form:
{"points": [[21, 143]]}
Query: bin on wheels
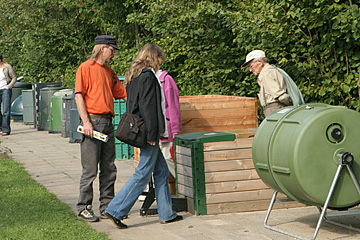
{"points": [[67, 102], [45, 105], [28, 104], [55, 116]]}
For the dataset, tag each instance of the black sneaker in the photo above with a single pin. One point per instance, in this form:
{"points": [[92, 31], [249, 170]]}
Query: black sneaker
{"points": [[177, 218], [103, 216], [88, 215], [116, 221]]}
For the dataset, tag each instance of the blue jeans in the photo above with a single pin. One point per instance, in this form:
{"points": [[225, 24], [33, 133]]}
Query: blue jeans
{"points": [[152, 163], [5, 101]]}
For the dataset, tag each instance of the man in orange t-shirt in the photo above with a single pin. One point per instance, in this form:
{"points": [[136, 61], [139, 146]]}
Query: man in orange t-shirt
{"points": [[96, 86]]}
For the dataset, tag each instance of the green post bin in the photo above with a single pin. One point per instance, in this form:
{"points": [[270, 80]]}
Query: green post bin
{"points": [[17, 110], [28, 104], [122, 150], [67, 102], [75, 136], [193, 144], [45, 105], [17, 89], [55, 115]]}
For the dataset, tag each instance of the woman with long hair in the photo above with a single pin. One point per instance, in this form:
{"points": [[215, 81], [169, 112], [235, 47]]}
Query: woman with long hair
{"points": [[146, 99]]}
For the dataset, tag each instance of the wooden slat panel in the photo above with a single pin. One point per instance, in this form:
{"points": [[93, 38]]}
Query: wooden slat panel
{"points": [[204, 98], [228, 145], [137, 154], [243, 133], [223, 128], [220, 123], [235, 154], [184, 170], [183, 150], [186, 191], [235, 186], [183, 160], [210, 98], [239, 196], [215, 113], [220, 166], [218, 104], [249, 206], [185, 180], [231, 176]]}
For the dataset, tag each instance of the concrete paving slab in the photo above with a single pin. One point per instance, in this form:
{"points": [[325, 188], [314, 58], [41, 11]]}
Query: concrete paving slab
{"points": [[55, 163]]}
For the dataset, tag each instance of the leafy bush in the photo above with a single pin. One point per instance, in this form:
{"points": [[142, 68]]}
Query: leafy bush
{"points": [[205, 41]]}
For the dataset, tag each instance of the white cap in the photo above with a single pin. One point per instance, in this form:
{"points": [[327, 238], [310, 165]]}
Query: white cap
{"points": [[254, 54]]}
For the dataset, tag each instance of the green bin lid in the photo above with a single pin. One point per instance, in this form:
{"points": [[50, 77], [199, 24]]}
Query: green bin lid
{"points": [[63, 92], [203, 137], [22, 85]]}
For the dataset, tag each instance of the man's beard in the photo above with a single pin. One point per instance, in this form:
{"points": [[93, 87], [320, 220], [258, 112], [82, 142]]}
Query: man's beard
{"points": [[109, 60]]}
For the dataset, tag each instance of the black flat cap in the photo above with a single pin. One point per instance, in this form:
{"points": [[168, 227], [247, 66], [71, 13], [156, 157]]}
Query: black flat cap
{"points": [[106, 39]]}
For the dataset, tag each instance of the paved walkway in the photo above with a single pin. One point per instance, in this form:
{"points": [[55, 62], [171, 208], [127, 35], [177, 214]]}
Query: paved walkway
{"points": [[55, 163]]}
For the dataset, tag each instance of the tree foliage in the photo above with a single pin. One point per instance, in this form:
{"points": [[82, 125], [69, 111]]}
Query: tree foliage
{"points": [[205, 41]]}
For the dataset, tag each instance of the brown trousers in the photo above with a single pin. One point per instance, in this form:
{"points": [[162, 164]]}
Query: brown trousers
{"points": [[272, 107]]}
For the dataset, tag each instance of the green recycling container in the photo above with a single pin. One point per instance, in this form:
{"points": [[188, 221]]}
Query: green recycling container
{"points": [[45, 105], [295, 151], [75, 136], [28, 104], [67, 102], [17, 109], [122, 150], [194, 143], [17, 89], [55, 115]]}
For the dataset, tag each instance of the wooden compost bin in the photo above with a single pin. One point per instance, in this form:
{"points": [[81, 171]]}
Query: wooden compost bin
{"points": [[201, 113], [226, 181], [216, 113], [219, 177]]}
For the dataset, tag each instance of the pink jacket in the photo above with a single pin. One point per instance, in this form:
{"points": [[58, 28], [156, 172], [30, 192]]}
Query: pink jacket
{"points": [[172, 106]]}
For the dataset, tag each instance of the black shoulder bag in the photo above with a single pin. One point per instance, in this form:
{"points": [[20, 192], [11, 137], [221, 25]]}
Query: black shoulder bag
{"points": [[131, 130]]}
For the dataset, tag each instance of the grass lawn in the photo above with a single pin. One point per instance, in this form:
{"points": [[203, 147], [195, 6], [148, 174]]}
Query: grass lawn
{"points": [[29, 211]]}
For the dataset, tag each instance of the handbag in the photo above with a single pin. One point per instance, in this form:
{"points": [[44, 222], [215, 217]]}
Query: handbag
{"points": [[132, 130]]}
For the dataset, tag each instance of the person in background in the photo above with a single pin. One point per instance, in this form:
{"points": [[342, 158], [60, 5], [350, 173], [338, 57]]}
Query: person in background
{"points": [[96, 86], [172, 113], [274, 84], [7, 81], [146, 99]]}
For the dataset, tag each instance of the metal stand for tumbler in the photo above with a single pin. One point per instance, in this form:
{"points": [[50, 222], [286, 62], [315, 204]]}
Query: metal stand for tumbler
{"points": [[344, 160]]}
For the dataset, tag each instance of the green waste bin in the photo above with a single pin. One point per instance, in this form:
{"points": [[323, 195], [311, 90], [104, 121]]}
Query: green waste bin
{"points": [[295, 151], [55, 116], [17, 89], [193, 173], [28, 104], [67, 102], [45, 105], [122, 150], [75, 136], [17, 110]]}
